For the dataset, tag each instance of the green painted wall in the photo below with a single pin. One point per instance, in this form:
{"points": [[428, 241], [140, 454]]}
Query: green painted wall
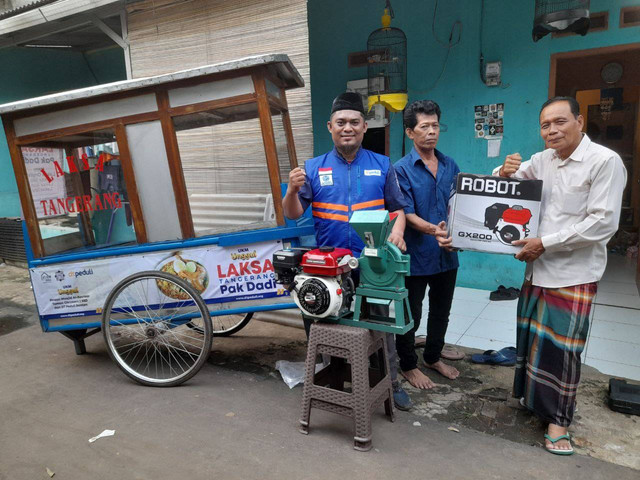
{"points": [[31, 72], [107, 64], [337, 28]]}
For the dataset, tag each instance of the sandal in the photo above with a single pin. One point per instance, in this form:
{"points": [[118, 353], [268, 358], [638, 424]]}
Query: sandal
{"points": [[557, 451], [503, 293], [505, 356]]}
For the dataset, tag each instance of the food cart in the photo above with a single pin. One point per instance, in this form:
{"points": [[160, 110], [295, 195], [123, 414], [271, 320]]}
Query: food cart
{"points": [[152, 208]]}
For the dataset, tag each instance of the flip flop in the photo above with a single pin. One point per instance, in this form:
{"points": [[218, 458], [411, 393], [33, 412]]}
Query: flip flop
{"points": [[503, 293], [505, 357], [557, 451]]}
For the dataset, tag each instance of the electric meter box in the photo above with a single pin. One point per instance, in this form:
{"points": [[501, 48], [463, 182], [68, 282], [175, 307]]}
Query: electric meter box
{"points": [[492, 72], [488, 213]]}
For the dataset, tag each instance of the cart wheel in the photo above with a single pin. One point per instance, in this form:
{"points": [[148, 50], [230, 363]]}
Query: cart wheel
{"points": [[147, 333], [509, 233], [225, 325]]}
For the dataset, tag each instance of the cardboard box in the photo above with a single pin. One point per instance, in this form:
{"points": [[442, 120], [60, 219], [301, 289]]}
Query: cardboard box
{"points": [[487, 213]]}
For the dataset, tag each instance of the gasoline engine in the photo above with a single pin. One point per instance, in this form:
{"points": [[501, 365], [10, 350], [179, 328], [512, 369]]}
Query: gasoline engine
{"points": [[509, 223], [321, 284], [319, 279]]}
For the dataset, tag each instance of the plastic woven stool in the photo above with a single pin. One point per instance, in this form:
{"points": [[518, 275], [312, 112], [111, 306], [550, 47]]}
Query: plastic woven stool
{"points": [[370, 385]]}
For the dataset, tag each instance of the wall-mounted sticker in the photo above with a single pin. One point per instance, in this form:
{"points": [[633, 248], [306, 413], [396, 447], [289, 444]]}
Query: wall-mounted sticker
{"points": [[489, 120]]}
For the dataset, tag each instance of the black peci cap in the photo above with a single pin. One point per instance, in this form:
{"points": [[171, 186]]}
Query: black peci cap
{"points": [[348, 101]]}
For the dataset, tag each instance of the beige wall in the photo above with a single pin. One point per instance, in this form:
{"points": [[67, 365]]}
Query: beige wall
{"points": [[166, 36]]}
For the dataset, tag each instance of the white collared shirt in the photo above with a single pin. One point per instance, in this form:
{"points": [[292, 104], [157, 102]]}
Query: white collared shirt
{"points": [[579, 212]]}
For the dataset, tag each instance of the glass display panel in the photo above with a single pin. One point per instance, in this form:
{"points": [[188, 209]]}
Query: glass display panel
{"points": [[225, 169], [79, 193]]}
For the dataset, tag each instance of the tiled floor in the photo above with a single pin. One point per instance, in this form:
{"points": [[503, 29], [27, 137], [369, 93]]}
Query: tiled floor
{"points": [[613, 346]]}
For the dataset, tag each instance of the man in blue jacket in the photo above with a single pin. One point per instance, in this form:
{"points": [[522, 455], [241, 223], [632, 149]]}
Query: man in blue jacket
{"points": [[342, 181], [427, 177]]}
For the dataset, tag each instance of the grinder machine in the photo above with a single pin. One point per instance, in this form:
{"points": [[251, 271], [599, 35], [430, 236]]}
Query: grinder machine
{"points": [[321, 284]]}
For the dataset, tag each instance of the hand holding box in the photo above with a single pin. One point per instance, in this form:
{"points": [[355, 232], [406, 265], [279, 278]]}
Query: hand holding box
{"points": [[488, 214]]}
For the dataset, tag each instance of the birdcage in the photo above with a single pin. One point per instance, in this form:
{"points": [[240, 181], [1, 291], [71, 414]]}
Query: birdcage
{"points": [[560, 16], [387, 67]]}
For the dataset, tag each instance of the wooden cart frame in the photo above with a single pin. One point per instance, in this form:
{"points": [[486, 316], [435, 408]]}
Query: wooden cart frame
{"points": [[249, 88]]}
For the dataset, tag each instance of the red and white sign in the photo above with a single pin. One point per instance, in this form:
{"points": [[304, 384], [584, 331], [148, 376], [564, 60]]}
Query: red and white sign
{"points": [[43, 191]]}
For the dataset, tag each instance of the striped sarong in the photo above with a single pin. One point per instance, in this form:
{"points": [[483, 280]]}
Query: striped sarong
{"points": [[552, 330]]}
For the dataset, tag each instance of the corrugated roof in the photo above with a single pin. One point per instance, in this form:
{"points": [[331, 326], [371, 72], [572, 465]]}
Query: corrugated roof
{"points": [[25, 8], [52, 15]]}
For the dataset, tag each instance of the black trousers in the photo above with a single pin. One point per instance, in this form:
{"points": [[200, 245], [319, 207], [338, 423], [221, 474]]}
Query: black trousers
{"points": [[441, 287]]}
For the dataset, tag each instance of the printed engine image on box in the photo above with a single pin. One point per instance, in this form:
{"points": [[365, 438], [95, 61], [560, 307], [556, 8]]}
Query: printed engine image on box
{"points": [[487, 213]]}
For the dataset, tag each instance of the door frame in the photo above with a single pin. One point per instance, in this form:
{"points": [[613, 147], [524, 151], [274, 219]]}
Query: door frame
{"points": [[553, 65], [635, 181]]}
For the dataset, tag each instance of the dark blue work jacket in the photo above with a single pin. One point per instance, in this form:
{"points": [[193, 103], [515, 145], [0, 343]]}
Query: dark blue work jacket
{"points": [[336, 188], [427, 197]]}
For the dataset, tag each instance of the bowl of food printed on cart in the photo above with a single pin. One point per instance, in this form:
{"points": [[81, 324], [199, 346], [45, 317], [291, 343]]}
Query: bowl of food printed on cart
{"points": [[186, 269]]}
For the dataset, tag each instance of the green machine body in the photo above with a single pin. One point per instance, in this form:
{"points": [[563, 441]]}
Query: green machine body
{"points": [[383, 268]]}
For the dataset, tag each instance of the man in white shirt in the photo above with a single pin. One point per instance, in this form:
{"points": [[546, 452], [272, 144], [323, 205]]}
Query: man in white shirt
{"points": [[581, 196]]}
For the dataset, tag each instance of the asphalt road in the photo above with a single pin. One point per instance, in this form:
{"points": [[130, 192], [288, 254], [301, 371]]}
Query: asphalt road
{"points": [[227, 422]]}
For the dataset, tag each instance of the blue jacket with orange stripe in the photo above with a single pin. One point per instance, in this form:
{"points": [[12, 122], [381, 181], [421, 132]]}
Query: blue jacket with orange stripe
{"points": [[336, 188]]}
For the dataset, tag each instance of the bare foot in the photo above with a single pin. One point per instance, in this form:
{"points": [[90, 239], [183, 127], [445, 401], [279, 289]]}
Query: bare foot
{"points": [[555, 431], [444, 369], [418, 379]]}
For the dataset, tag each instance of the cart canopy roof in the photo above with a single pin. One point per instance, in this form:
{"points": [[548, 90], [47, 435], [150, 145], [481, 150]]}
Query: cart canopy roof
{"points": [[278, 64]]}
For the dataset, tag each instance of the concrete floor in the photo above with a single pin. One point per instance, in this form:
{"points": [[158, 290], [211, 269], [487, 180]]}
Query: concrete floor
{"points": [[613, 342], [234, 419]]}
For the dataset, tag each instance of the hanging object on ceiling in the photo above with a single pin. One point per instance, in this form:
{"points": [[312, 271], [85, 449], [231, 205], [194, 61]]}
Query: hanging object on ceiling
{"points": [[387, 65], [560, 16]]}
